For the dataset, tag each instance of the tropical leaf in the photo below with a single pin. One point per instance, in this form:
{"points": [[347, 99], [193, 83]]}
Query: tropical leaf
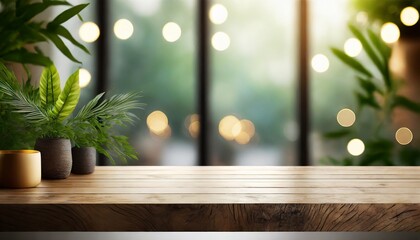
{"points": [[367, 85], [384, 49], [68, 98], [401, 101], [66, 15], [26, 13], [60, 30], [368, 100], [60, 45], [24, 56], [380, 64], [351, 62], [49, 87]]}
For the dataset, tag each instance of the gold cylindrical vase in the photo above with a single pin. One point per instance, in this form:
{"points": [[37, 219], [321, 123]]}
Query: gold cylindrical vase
{"points": [[20, 168]]}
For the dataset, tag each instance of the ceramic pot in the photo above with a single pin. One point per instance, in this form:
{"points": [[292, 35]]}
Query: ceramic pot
{"points": [[20, 168], [56, 157], [84, 160]]}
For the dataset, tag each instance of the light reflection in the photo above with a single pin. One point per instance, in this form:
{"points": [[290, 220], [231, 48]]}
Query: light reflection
{"points": [[84, 77], [89, 32], [404, 136], [409, 16], [356, 147], [390, 32], [193, 125], [157, 122], [218, 14], [220, 41], [171, 32], [320, 63], [346, 117], [123, 29], [352, 47], [226, 126]]}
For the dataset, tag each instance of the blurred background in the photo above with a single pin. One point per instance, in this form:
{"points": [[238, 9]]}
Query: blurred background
{"points": [[253, 75]]}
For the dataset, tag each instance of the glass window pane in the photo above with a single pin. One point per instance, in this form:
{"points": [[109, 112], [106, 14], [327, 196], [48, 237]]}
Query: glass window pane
{"points": [[253, 76], [158, 59]]}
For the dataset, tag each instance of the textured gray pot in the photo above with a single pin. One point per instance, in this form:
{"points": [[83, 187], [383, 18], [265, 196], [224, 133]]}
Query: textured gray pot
{"points": [[84, 160], [56, 157]]}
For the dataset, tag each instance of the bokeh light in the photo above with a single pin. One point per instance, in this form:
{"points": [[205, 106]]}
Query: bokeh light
{"points": [[404, 136], [123, 29], [362, 18], [89, 32], [226, 127], [243, 130], [220, 41], [353, 47], [356, 147], [390, 32], [218, 14], [157, 122], [193, 125], [346, 117], [320, 63], [171, 32], [409, 16], [84, 77]]}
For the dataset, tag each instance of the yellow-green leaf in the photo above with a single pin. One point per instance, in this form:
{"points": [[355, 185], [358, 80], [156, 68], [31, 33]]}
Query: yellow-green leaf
{"points": [[49, 87], [68, 98]]}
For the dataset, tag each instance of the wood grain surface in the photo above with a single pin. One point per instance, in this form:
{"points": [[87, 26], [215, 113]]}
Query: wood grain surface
{"points": [[219, 199]]}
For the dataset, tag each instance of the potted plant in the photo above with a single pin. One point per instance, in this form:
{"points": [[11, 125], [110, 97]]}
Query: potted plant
{"points": [[21, 32], [93, 126], [46, 113]]}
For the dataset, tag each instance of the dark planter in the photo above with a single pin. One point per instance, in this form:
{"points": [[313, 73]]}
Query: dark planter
{"points": [[56, 157], [84, 160]]}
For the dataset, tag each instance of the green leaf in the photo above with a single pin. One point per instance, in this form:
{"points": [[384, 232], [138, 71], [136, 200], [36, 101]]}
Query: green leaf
{"points": [[62, 31], [24, 56], [49, 87], [367, 85], [401, 101], [60, 45], [337, 134], [66, 15], [351, 62], [368, 100], [29, 11], [381, 65], [68, 98], [384, 49]]}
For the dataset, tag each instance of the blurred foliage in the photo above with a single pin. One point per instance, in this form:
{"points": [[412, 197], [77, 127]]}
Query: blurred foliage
{"points": [[377, 96], [385, 10]]}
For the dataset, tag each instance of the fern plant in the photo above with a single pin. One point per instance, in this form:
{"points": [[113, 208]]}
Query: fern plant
{"points": [[46, 108], [377, 96], [47, 112]]}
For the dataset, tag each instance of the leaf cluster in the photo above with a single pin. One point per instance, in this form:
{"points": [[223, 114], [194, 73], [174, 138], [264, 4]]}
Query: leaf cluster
{"points": [[378, 93], [20, 30], [46, 112]]}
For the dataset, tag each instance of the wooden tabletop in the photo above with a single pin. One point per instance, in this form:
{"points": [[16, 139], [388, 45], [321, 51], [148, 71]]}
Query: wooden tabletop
{"points": [[219, 199]]}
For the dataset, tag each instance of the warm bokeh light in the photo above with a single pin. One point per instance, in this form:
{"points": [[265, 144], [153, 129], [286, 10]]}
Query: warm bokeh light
{"points": [[193, 125], [362, 18], [346, 117], [218, 14], [84, 77], [353, 47], [409, 16], [226, 127], [171, 32], [243, 131], [89, 32], [220, 41], [157, 122], [123, 29], [320, 63], [355, 147], [390, 32], [404, 136]]}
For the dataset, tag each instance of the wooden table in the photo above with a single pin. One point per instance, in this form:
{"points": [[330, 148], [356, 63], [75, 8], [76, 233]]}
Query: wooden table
{"points": [[219, 199]]}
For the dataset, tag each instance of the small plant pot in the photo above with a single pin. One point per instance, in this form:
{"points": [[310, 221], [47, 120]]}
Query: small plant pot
{"points": [[56, 157], [84, 160], [20, 168]]}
